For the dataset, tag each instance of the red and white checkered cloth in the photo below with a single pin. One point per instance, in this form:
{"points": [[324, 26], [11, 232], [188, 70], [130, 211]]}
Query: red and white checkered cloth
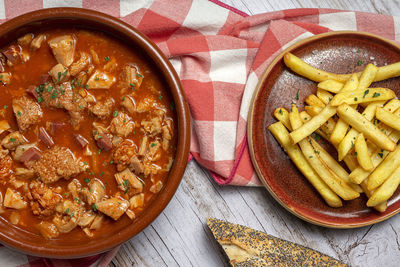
{"points": [[219, 54]]}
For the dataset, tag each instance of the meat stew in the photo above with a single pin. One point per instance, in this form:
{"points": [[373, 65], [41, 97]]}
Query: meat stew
{"points": [[87, 133]]}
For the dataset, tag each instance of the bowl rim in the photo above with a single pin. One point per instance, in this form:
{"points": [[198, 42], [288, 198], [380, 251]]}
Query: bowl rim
{"points": [[250, 127], [165, 70]]}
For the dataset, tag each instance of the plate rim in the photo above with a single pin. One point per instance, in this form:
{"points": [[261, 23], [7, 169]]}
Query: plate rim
{"points": [[250, 125]]}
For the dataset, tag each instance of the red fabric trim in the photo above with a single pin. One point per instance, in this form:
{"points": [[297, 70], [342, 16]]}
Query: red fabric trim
{"points": [[237, 11]]}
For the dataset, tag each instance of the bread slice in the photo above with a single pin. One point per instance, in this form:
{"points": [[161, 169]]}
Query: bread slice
{"points": [[247, 247]]}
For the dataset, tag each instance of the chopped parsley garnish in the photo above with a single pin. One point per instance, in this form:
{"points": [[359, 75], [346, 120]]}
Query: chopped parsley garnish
{"points": [[153, 144], [12, 140], [280, 111], [139, 75], [96, 79], [19, 113], [107, 58], [87, 180], [115, 113], [111, 162], [87, 86], [160, 97], [355, 153], [67, 211], [317, 137], [5, 106], [123, 98], [366, 92], [85, 163], [172, 105], [297, 94], [355, 99], [40, 99], [380, 155], [101, 174], [94, 207], [359, 63], [376, 94], [126, 183]]}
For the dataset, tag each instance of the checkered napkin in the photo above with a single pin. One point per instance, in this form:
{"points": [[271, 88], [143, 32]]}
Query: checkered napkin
{"points": [[219, 54]]}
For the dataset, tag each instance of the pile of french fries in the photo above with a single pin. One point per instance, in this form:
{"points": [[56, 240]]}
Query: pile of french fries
{"points": [[361, 122]]}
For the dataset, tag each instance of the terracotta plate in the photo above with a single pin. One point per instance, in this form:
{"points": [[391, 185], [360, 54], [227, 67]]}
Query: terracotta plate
{"points": [[339, 52]]}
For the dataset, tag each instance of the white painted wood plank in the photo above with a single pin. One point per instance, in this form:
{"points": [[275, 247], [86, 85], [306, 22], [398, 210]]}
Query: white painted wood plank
{"points": [[179, 236]]}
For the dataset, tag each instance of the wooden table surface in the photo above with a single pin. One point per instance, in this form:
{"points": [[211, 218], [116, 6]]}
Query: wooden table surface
{"points": [[180, 237]]}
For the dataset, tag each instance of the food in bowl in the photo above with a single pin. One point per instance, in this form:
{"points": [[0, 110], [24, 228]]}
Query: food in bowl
{"points": [[87, 129]]}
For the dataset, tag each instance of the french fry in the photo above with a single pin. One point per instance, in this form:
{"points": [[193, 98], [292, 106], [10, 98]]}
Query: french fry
{"points": [[392, 105], [351, 162], [359, 175], [313, 156], [282, 115], [367, 76], [363, 156], [282, 136], [328, 126], [300, 67], [305, 117], [348, 141], [388, 118], [331, 86], [361, 124], [386, 168], [362, 96], [337, 185], [310, 127], [387, 72], [313, 100], [386, 190], [340, 130], [325, 96], [332, 164], [380, 207]]}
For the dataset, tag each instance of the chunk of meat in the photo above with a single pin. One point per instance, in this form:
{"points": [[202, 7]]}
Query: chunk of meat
{"points": [[45, 79], [166, 134], [153, 127], [12, 140], [137, 201], [97, 222], [59, 73], [45, 137], [95, 192], [48, 230], [3, 62], [146, 105], [113, 207], [95, 56], [31, 90], [27, 112], [121, 124], [130, 214], [30, 156], [86, 218], [100, 80], [143, 146], [26, 39], [57, 162], [63, 48], [81, 64], [43, 199], [55, 126], [74, 187], [111, 65], [15, 217], [71, 213], [12, 53], [65, 224], [154, 152], [102, 109], [6, 164], [24, 173], [128, 182], [20, 150], [130, 78], [37, 42], [155, 188], [4, 126], [5, 78], [103, 141], [129, 103], [136, 165], [80, 140], [123, 153], [13, 200]]}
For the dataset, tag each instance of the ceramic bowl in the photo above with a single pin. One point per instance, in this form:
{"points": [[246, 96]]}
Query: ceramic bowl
{"points": [[339, 52], [122, 231]]}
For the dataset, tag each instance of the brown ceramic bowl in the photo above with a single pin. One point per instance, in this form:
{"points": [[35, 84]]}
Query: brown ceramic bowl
{"points": [[122, 231], [338, 52]]}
